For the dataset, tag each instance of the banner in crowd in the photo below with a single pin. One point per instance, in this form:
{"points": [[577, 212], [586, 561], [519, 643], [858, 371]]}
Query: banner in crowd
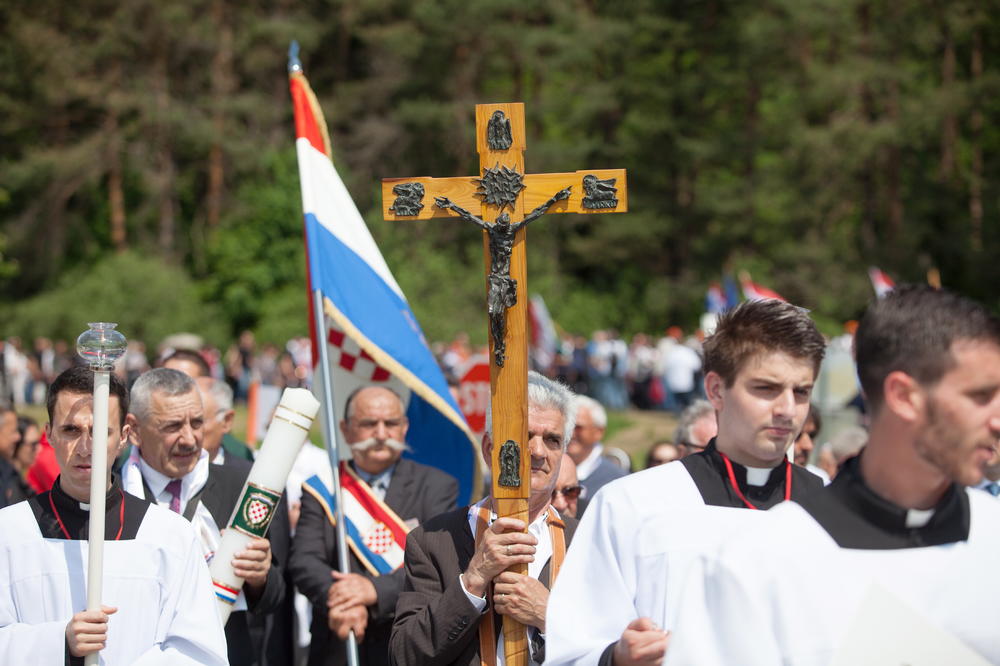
{"points": [[881, 283], [373, 336], [757, 292]]}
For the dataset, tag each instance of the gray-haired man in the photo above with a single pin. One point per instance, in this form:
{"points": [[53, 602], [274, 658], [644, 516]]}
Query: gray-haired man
{"points": [[169, 466], [454, 560]]}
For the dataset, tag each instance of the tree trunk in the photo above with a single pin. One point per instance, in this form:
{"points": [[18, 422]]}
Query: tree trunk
{"points": [[116, 194], [222, 89], [869, 189], [976, 128], [166, 171], [949, 124]]}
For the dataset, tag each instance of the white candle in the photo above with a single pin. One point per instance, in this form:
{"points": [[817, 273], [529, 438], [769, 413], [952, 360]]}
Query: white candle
{"points": [[259, 498]]}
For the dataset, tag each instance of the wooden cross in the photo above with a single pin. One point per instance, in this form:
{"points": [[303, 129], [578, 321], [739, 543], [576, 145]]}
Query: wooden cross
{"points": [[501, 195]]}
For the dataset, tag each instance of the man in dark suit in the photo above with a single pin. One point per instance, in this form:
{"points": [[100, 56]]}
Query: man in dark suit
{"points": [[374, 426], [447, 608], [592, 467], [171, 467]]}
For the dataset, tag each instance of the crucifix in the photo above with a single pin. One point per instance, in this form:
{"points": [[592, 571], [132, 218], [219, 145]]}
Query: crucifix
{"points": [[501, 193]]}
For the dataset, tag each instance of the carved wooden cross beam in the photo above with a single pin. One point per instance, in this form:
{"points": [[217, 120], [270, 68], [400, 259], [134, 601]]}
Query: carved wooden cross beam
{"points": [[502, 200]]}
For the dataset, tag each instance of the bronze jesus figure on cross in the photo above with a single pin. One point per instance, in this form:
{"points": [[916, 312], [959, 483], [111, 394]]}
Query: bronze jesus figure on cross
{"points": [[503, 288]]}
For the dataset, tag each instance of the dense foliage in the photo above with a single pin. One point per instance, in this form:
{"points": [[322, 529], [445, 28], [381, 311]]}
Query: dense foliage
{"points": [[802, 140]]}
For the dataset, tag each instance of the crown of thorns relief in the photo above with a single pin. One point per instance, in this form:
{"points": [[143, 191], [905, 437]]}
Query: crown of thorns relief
{"points": [[500, 186]]}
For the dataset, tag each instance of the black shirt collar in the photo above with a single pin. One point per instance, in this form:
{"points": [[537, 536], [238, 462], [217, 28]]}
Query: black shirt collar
{"points": [[857, 517], [56, 506], [709, 473]]}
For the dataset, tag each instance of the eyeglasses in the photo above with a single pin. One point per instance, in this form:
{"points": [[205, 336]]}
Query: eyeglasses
{"points": [[569, 492]]}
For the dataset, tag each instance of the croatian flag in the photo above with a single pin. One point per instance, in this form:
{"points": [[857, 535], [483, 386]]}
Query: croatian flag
{"points": [[881, 283], [374, 532], [373, 336], [755, 292]]}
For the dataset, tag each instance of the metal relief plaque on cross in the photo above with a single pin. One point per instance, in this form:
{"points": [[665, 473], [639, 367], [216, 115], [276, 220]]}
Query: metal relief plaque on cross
{"points": [[496, 200]]}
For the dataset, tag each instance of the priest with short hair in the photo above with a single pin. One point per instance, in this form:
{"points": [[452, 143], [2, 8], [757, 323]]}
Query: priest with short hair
{"points": [[158, 606]]}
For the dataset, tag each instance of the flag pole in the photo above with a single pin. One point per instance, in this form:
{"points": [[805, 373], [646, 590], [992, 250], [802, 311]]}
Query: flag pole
{"points": [[332, 450]]}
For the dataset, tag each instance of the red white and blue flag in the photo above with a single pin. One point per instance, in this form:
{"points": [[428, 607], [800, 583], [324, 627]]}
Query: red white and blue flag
{"points": [[756, 292], [375, 534], [373, 336], [881, 283]]}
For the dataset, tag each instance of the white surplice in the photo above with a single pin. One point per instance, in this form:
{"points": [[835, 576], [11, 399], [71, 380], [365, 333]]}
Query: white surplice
{"points": [[158, 581]]}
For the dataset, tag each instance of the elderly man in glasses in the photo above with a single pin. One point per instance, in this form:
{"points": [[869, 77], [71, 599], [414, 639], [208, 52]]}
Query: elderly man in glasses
{"points": [[566, 494]]}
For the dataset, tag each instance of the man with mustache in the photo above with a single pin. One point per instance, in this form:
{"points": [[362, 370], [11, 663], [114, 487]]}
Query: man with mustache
{"points": [[170, 466], [615, 600], [374, 427]]}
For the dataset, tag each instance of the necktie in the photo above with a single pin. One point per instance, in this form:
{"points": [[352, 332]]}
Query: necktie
{"points": [[993, 488], [174, 488]]}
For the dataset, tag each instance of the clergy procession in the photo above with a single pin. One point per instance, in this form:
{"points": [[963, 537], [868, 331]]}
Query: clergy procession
{"points": [[810, 493]]}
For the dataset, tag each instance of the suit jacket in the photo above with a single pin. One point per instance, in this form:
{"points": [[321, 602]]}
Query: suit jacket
{"points": [[252, 638], [415, 492], [435, 622], [270, 618], [605, 472], [234, 448]]}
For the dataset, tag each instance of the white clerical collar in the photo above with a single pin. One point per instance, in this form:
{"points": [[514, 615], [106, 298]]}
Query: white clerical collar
{"points": [[590, 463], [758, 476], [191, 482], [916, 518]]}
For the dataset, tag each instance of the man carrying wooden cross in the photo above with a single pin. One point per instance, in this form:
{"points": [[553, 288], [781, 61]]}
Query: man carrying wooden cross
{"points": [[447, 613], [502, 185]]}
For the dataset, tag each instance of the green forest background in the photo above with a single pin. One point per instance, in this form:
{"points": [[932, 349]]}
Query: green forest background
{"points": [[148, 175]]}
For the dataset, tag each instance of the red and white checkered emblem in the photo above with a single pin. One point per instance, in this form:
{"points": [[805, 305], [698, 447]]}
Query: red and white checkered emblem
{"points": [[346, 353], [257, 512], [379, 538]]}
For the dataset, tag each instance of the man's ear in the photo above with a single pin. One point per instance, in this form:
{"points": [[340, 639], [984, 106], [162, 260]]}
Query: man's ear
{"points": [[227, 420], [126, 431], [487, 446], [903, 396], [131, 427], [714, 384]]}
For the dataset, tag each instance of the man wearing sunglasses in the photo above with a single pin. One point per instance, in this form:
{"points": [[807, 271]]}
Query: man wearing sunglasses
{"points": [[566, 495]]}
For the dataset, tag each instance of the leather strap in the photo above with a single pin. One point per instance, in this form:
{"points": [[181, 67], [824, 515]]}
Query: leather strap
{"points": [[488, 623]]}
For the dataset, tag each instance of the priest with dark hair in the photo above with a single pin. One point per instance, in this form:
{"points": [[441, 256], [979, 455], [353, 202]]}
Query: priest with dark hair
{"points": [[158, 605]]}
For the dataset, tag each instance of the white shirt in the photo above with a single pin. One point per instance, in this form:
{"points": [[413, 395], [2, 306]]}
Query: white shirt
{"points": [[679, 367], [159, 582], [630, 556], [543, 552], [787, 593], [191, 482], [590, 463]]}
